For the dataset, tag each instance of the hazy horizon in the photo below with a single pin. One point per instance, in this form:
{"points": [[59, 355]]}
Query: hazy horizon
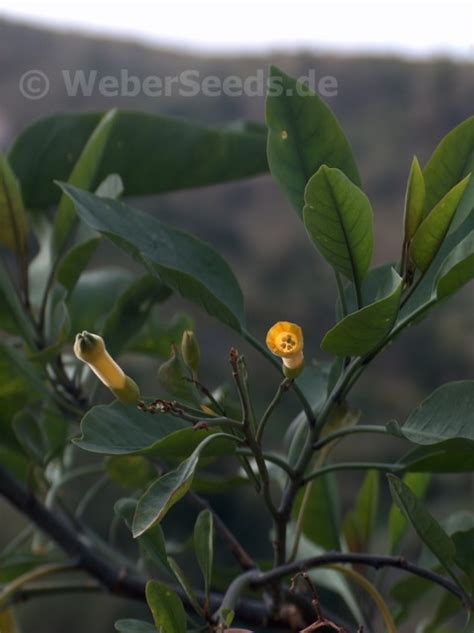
{"points": [[391, 28]]}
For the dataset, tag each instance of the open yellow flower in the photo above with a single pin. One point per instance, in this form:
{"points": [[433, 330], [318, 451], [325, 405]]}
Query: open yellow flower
{"points": [[285, 340], [90, 348]]}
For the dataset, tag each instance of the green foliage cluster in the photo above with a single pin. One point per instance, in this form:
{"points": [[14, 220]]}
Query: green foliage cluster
{"points": [[158, 452]]}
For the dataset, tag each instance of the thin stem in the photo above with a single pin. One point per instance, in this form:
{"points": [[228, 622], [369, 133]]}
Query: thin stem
{"points": [[270, 457], [240, 554], [234, 591], [391, 468], [249, 431], [82, 471], [282, 388], [207, 393], [361, 428], [266, 353]]}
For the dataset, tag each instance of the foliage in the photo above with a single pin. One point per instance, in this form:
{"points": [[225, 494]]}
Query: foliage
{"points": [[162, 451]]}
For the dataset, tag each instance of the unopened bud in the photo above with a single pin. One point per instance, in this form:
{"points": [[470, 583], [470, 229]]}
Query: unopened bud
{"points": [[190, 350], [90, 348]]}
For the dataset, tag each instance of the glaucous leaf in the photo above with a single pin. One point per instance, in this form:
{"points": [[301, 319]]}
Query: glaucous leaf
{"points": [[117, 429], [182, 262], [451, 456], [447, 413], [167, 490]]}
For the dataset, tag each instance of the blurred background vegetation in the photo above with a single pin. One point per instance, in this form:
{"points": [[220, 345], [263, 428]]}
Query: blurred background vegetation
{"points": [[390, 109]]}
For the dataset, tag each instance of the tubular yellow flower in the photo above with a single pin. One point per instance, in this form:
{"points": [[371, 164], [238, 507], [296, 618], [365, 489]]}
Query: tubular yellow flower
{"points": [[285, 340], [90, 348]]}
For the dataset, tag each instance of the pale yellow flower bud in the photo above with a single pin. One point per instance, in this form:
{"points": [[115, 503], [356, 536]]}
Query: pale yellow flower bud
{"points": [[90, 348]]}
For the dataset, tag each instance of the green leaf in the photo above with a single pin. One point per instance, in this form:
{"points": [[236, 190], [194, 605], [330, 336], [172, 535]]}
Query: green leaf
{"points": [[303, 134], [12, 315], [397, 524], [153, 542], [131, 311], [130, 471], [185, 585], [446, 414], [427, 528], [362, 331], [74, 263], [13, 219], [166, 607], [134, 626], [84, 176], [414, 200], [321, 521], [167, 490], [451, 456], [195, 155], [204, 546], [359, 524], [457, 269], [157, 336], [98, 290], [339, 220], [434, 228], [464, 542], [117, 429], [451, 161], [191, 267]]}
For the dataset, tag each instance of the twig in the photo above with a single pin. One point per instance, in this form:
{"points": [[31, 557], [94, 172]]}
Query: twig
{"points": [[240, 554], [361, 428], [302, 398], [378, 562], [270, 457], [390, 468], [282, 388]]}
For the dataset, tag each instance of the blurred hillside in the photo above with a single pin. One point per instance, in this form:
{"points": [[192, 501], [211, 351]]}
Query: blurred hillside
{"points": [[390, 109]]}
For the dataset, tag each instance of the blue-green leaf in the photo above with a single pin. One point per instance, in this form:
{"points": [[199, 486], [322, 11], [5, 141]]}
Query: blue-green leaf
{"points": [[191, 267]]}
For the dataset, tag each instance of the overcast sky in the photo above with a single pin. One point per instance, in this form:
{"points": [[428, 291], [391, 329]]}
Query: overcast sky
{"points": [[419, 28]]}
